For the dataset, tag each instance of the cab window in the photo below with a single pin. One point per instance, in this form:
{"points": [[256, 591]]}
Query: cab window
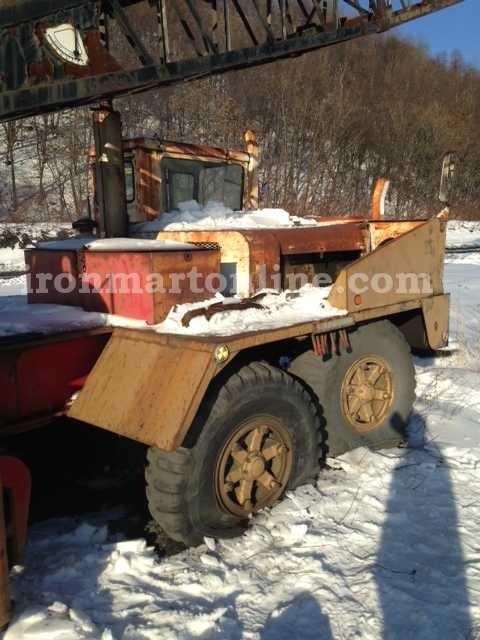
{"points": [[129, 180], [186, 180], [222, 183], [182, 188]]}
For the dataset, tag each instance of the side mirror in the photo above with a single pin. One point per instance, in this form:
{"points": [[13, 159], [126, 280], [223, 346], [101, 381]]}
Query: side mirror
{"points": [[448, 177]]}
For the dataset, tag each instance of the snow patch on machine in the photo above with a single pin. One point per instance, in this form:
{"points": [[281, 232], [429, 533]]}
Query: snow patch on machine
{"points": [[215, 215]]}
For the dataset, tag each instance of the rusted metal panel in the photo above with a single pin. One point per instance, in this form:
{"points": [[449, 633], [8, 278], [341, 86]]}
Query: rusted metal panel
{"points": [[377, 209], [149, 200], [149, 386], [258, 254], [382, 232], [327, 238], [204, 152], [406, 268], [192, 151], [234, 250], [255, 255], [264, 258]]}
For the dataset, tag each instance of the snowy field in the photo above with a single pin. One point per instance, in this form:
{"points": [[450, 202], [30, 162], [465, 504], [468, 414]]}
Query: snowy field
{"points": [[15, 237], [385, 546]]}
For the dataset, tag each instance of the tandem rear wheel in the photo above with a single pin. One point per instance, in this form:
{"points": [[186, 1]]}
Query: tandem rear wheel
{"points": [[366, 392], [260, 436], [262, 432]]}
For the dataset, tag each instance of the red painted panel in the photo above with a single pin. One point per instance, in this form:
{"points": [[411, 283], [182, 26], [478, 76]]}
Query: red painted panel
{"points": [[117, 281], [120, 280], [40, 377], [45, 264], [8, 387]]}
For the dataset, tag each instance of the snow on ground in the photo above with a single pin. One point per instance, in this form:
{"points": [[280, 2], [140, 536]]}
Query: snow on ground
{"points": [[449, 385], [385, 546], [14, 238], [12, 259], [462, 234], [25, 234]]}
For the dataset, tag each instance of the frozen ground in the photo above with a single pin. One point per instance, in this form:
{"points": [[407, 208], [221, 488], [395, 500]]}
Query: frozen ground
{"points": [[15, 237], [385, 546], [463, 234]]}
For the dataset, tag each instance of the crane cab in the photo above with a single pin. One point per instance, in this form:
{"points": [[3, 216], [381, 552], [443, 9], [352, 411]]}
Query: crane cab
{"points": [[161, 175]]}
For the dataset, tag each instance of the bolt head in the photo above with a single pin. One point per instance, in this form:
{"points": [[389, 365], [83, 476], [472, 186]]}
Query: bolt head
{"points": [[222, 354]]}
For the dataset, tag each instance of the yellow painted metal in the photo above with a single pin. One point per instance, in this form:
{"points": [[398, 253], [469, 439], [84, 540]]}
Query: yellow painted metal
{"points": [[254, 466], [367, 393], [147, 387], [407, 268], [436, 315]]}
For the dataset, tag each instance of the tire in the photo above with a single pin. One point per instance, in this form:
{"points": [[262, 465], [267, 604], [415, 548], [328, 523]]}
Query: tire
{"points": [[329, 380], [186, 489]]}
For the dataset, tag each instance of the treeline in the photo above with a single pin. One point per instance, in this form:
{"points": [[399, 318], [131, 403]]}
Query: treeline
{"points": [[329, 124]]}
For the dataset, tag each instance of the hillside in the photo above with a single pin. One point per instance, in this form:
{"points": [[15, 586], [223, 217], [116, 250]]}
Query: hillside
{"points": [[329, 124]]}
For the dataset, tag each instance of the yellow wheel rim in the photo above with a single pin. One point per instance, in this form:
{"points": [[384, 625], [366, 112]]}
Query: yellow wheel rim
{"points": [[367, 393], [254, 466]]}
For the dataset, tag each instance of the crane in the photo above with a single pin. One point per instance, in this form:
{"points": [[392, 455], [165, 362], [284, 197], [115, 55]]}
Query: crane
{"points": [[54, 54], [58, 54]]}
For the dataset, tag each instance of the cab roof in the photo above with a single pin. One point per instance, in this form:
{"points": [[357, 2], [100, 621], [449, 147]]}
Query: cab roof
{"points": [[189, 150]]}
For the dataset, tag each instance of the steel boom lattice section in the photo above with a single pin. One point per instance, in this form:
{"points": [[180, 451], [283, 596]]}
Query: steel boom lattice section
{"points": [[55, 54]]}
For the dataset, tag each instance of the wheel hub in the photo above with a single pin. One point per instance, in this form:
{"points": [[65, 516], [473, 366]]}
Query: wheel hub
{"points": [[254, 466], [367, 393]]}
